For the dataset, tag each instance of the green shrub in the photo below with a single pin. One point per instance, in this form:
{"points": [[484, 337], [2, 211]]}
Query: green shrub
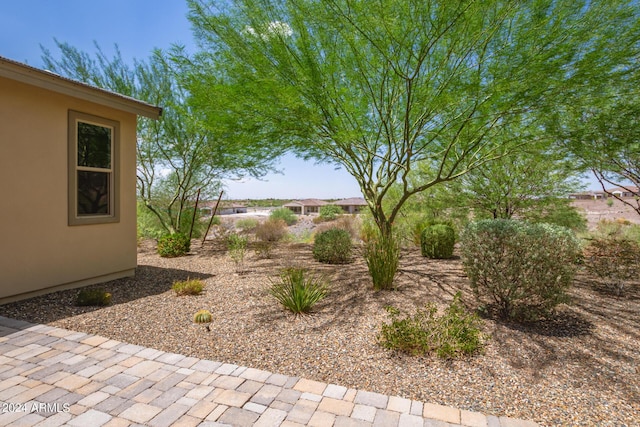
{"points": [[188, 287], [454, 333], [237, 248], [297, 290], [329, 212], [173, 245], [284, 214], [525, 269], [613, 260], [97, 297], [246, 224], [437, 241], [271, 230], [332, 246], [382, 255]]}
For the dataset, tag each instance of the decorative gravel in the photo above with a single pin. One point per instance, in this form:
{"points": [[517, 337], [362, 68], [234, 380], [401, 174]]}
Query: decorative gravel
{"points": [[580, 368]]}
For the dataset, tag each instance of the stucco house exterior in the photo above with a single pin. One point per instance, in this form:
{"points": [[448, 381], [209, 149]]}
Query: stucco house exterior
{"points": [[352, 205], [306, 206], [67, 180]]}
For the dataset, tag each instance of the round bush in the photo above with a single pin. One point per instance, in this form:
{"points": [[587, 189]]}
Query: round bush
{"points": [[525, 269], [173, 245], [332, 246], [437, 241], [284, 214]]}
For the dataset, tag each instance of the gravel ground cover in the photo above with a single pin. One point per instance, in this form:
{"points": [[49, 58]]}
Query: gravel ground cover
{"points": [[581, 368]]}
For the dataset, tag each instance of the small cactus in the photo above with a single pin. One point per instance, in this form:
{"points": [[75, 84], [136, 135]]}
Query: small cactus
{"points": [[202, 316]]}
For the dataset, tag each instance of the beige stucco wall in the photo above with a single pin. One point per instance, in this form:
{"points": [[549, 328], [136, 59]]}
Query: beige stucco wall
{"points": [[38, 249]]}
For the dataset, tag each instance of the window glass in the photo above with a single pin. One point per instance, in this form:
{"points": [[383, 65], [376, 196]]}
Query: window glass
{"points": [[94, 146], [93, 193]]}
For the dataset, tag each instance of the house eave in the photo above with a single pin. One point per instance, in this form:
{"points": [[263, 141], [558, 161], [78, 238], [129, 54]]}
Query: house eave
{"points": [[50, 81]]}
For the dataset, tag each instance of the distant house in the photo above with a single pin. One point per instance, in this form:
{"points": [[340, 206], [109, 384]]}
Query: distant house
{"points": [[306, 206], [68, 182], [588, 195], [353, 205], [225, 208], [623, 192]]}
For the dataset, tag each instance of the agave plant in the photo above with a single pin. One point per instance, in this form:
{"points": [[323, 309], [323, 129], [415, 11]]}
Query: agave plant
{"points": [[203, 317]]}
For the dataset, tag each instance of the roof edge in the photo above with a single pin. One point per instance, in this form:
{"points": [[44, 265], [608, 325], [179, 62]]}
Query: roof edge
{"points": [[47, 80]]}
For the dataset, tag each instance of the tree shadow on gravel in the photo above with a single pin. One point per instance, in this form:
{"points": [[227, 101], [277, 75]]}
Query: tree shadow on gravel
{"points": [[562, 324], [148, 281]]}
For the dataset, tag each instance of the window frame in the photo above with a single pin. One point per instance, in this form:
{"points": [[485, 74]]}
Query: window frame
{"points": [[73, 168]]}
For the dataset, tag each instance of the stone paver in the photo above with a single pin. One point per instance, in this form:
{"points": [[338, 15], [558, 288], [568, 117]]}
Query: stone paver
{"points": [[78, 379]]}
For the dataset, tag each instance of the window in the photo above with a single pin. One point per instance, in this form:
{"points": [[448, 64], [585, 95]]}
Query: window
{"points": [[93, 173]]}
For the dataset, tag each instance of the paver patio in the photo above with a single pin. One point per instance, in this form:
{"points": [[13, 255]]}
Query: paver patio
{"points": [[53, 377]]}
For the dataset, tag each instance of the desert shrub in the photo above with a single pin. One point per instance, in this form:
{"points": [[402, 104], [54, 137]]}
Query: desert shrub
{"points": [[284, 214], [246, 224], [329, 212], [349, 223], [437, 241], [332, 246], [524, 268], [298, 290], [237, 246], [97, 297], [617, 229], [188, 287], [173, 245], [271, 230], [613, 260], [455, 333], [382, 255]]}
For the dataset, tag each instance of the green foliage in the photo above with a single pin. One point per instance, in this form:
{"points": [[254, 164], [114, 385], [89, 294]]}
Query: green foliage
{"points": [[332, 246], [369, 86], [618, 229], [382, 254], [148, 224], [95, 297], [613, 259], [437, 241], [284, 214], [558, 212], [188, 287], [247, 224], [524, 268], [298, 290], [173, 245], [453, 334], [237, 246], [330, 212]]}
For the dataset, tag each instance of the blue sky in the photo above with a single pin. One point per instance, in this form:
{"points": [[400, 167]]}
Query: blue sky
{"points": [[137, 27]]}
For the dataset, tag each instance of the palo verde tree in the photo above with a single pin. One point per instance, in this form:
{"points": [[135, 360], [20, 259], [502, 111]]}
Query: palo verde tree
{"points": [[605, 139], [380, 86], [180, 154], [535, 178]]}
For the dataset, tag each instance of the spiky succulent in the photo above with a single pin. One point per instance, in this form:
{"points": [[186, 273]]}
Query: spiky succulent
{"points": [[202, 316]]}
